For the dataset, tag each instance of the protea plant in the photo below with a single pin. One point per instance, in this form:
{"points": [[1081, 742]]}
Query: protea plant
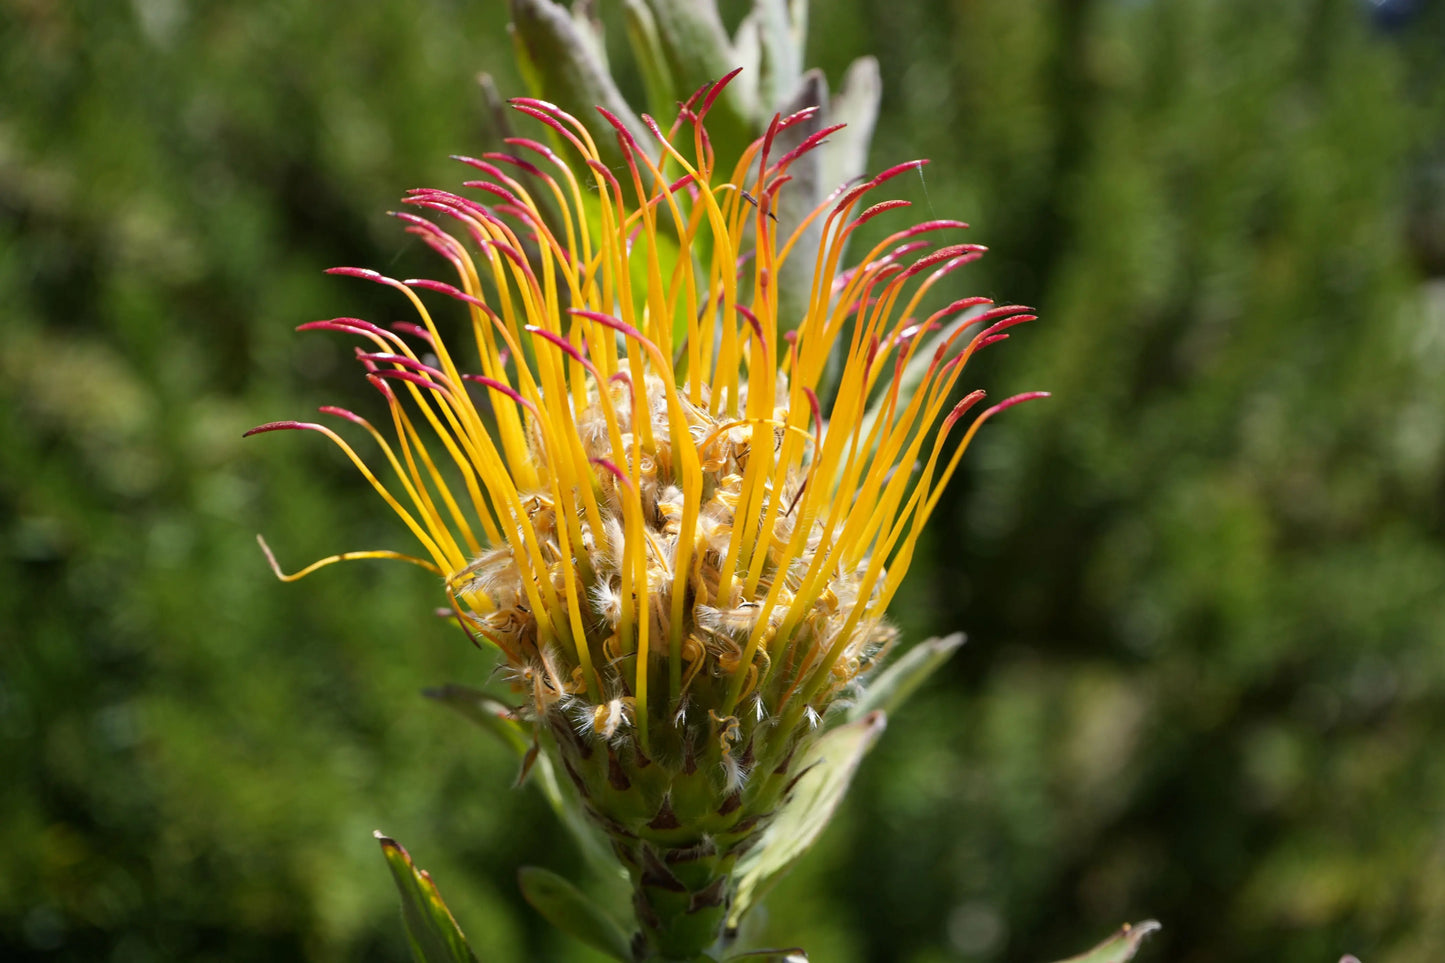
{"points": [[677, 513]]}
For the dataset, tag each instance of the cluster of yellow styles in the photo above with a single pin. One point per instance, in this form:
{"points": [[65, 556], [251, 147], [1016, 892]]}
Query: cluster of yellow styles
{"points": [[678, 516]]}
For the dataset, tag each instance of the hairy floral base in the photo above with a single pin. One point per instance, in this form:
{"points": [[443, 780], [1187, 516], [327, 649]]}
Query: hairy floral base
{"points": [[684, 798], [676, 826], [698, 653]]}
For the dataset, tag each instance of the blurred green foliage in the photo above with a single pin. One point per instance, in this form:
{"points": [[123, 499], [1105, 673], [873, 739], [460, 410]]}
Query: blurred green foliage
{"points": [[1205, 585]]}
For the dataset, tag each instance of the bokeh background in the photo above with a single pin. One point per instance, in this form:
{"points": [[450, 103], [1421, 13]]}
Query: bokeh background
{"points": [[1205, 585]]}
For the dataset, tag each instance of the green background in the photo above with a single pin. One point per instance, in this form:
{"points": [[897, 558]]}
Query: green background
{"points": [[1205, 585]]}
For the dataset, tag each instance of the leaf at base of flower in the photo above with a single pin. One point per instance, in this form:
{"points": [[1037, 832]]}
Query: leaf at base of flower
{"points": [[570, 910], [896, 682], [828, 767], [699, 51], [781, 55], [1120, 947], [497, 719], [661, 90], [793, 955], [430, 927], [855, 103], [491, 715], [560, 62]]}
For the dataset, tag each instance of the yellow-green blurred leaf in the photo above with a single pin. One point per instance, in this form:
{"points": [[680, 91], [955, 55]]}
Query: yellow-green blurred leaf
{"points": [[570, 910], [1120, 947], [828, 767], [434, 934]]}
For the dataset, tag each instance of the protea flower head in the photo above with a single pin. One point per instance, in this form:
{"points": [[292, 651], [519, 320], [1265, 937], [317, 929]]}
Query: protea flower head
{"points": [[679, 516]]}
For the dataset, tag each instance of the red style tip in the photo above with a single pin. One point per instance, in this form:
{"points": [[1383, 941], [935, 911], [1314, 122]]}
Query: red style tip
{"points": [[962, 253], [796, 117], [602, 171], [922, 227], [356, 272], [410, 376], [532, 102], [889, 173], [562, 344], [622, 132], [1015, 400], [811, 141], [1002, 310], [993, 329], [716, 90], [906, 336], [414, 220], [441, 287], [496, 189], [902, 250], [504, 389], [345, 325], [277, 426], [515, 161], [879, 208], [415, 330], [607, 320], [686, 106], [531, 145], [816, 408], [969, 400], [544, 117], [616, 472], [753, 322], [963, 304], [350, 416], [380, 385]]}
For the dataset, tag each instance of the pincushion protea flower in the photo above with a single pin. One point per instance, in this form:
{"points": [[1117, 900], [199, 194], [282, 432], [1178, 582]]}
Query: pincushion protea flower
{"points": [[632, 487]]}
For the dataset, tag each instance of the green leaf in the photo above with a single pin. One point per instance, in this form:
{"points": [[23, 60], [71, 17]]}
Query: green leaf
{"points": [[560, 63], [699, 52], [493, 716], [589, 28], [748, 54], [899, 680], [497, 718], [845, 156], [827, 769], [793, 955], [781, 55], [1119, 947], [662, 91], [570, 910], [433, 933], [694, 38], [594, 849]]}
